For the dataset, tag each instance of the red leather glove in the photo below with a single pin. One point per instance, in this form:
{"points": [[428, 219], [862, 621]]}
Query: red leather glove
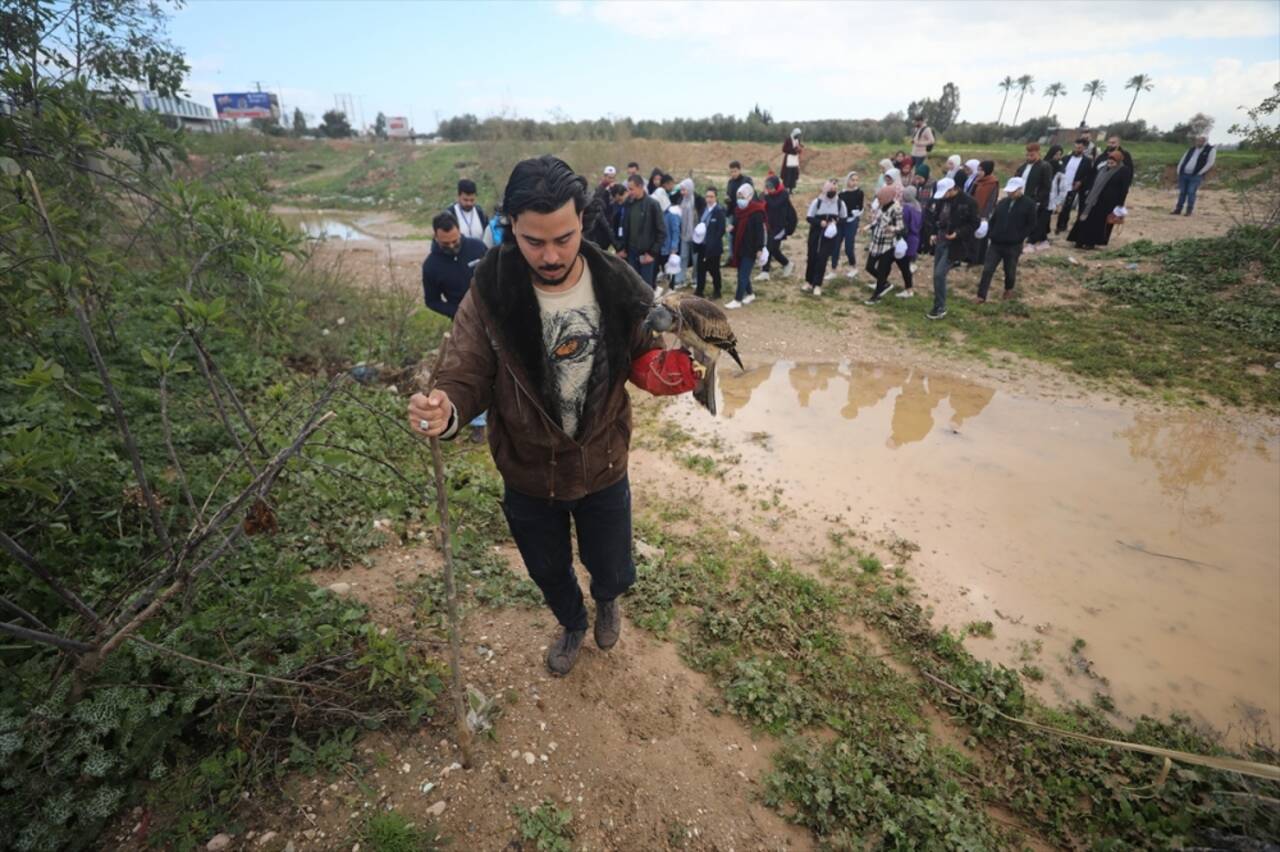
{"points": [[664, 372]]}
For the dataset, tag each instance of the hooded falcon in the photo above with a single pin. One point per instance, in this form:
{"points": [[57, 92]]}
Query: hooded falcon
{"points": [[703, 327]]}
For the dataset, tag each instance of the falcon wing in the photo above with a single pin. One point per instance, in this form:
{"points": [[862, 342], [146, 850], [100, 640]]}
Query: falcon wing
{"points": [[706, 321]]}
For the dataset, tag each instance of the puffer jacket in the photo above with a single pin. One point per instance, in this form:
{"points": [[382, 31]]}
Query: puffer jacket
{"points": [[496, 363]]}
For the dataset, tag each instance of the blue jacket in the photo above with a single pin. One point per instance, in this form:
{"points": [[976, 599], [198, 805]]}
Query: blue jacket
{"points": [[447, 277], [672, 243], [713, 245]]}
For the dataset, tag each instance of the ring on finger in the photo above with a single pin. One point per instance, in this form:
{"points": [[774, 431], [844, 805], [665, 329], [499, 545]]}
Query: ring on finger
{"points": [[424, 425]]}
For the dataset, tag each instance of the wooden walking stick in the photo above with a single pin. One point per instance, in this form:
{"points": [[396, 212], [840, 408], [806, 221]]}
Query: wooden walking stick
{"points": [[450, 590]]}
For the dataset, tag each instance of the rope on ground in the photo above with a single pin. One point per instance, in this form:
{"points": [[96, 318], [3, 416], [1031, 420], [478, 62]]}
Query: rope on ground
{"points": [[1264, 771]]}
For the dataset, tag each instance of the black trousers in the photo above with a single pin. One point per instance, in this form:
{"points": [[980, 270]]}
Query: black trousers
{"points": [[997, 253], [1040, 232], [540, 528], [1073, 199], [881, 265], [708, 265], [775, 253]]}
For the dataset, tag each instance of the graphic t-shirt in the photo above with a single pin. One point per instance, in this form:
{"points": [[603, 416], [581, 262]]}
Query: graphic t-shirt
{"points": [[571, 338]]}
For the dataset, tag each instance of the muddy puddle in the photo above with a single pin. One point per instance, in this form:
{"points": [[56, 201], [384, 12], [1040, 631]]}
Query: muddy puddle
{"points": [[320, 227], [1154, 538]]}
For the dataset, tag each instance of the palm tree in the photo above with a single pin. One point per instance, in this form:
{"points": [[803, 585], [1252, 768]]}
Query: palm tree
{"points": [[1007, 84], [1024, 86], [1094, 89], [1052, 91], [1139, 83]]}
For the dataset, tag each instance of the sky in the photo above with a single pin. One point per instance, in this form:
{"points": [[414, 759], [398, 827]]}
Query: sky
{"points": [[799, 60]]}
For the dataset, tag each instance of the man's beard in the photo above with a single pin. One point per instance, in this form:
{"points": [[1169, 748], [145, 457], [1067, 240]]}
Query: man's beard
{"points": [[554, 282]]}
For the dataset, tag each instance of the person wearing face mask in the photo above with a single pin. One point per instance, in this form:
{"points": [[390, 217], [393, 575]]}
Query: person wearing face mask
{"points": [[446, 278], [852, 199], [791, 149], [780, 217], [825, 214], [748, 239]]}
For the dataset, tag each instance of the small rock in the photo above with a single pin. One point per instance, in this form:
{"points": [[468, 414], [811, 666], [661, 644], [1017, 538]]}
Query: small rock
{"points": [[436, 810], [450, 768], [289, 847], [648, 552], [340, 588], [406, 768], [267, 837], [529, 758], [218, 842]]}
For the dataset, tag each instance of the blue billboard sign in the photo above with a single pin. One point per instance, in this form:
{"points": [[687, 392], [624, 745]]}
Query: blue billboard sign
{"points": [[243, 105]]}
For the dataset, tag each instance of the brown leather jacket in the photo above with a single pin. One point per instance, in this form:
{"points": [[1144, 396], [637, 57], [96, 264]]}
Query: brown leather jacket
{"points": [[497, 363]]}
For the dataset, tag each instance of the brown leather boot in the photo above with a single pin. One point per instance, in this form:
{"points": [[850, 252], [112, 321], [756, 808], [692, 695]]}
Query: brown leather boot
{"points": [[563, 653], [608, 624]]}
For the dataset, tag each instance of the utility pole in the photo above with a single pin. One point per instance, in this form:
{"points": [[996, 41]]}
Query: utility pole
{"points": [[258, 84]]}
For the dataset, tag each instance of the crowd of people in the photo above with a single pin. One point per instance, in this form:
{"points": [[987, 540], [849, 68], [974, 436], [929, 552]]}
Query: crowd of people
{"points": [[674, 236]]}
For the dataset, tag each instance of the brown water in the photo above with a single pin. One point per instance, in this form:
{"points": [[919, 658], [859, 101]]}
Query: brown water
{"points": [[1155, 538]]}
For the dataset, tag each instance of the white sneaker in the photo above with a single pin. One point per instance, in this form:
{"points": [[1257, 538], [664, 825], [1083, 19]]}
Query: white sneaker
{"points": [[749, 298], [789, 268], [871, 285], [1029, 249], [905, 294], [853, 272], [1044, 246], [657, 292], [763, 276], [831, 273], [913, 268], [817, 291], [806, 287], [732, 303]]}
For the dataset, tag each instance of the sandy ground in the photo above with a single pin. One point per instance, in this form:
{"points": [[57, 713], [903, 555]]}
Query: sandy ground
{"points": [[628, 742]]}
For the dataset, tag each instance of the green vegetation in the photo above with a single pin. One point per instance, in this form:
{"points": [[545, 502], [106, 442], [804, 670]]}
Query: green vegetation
{"points": [[392, 832], [180, 444], [862, 764], [546, 827], [1198, 319]]}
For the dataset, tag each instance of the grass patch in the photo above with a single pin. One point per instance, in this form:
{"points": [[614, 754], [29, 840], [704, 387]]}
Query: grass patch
{"points": [[546, 827], [1200, 321], [393, 832]]}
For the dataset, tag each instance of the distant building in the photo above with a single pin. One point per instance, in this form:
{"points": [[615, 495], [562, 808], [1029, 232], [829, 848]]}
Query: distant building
{"points": [[180, 112]]}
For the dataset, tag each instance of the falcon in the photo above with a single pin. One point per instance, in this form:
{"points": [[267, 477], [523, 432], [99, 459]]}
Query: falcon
{"points": [[701, 326]]}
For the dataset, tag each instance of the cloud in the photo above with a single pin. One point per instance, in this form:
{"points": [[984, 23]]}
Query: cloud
{"points": [[568, 8]]}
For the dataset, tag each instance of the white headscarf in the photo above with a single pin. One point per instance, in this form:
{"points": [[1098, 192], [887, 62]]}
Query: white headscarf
{"points": [[795, 134], [686, 209], [953, 162], [972, 166]]}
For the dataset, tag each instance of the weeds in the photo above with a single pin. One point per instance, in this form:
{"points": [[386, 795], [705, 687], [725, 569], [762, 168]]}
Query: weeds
{"points": [[547, 827], [393, 832]]}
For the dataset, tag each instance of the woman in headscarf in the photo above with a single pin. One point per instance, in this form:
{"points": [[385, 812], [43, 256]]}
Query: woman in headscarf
{"points": [[688, 221], [826, 212], [986, 189], [884, 165], [748, 239], [1109, 191], [791, 148], [885, 230], [912, 222]]}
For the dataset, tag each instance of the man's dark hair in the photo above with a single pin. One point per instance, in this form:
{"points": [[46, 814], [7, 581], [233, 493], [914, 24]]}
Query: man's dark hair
{"points": [[734, 164], [543, 185], [771, 182], [635, 180], [988, 167], [444, 222], [466, 185], [618, 189], [919, 118], [666, 178], [633, 165], [1083, 141], [712, 190]]}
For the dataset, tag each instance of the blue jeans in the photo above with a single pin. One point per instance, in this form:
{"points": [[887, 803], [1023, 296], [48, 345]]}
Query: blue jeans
{"points": [[647, 270], [941, 266], [849, 236], [540, 527], [744, 279], [1187, 187]]}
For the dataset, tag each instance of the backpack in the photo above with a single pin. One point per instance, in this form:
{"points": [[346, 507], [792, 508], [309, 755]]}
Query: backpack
{"points": [[929, 147]]}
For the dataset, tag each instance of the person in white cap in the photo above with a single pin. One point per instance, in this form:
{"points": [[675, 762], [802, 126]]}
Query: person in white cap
{"points": [[607, 179], [956, 218], [1012, 222], [791, 148]]}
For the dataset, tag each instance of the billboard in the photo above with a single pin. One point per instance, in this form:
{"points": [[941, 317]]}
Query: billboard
{"points": [[397, 127], [243, 105]]}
